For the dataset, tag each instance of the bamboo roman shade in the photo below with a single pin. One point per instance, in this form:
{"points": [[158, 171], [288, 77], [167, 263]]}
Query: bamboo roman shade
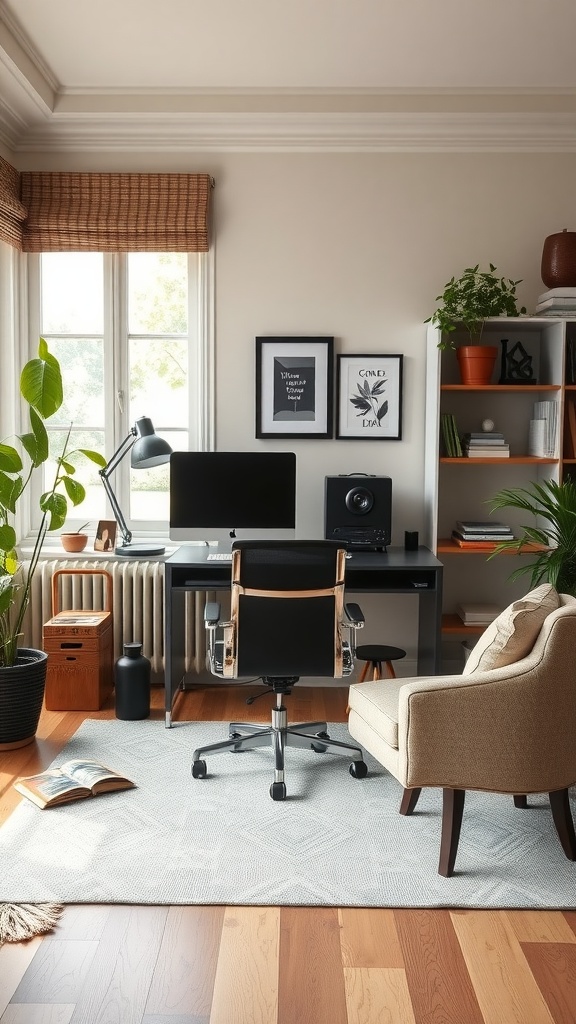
{"points": [[92, 212], [12, 211]]}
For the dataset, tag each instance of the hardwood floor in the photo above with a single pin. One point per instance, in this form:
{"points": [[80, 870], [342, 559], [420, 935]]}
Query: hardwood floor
{"points": [[279, 965]]}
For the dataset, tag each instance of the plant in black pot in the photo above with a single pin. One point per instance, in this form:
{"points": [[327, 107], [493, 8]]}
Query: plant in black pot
{"points": [[552, 510], [23, 670], [467, 301]]}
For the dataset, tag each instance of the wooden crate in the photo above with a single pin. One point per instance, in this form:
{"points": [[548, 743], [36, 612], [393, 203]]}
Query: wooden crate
{"points": [[80, 649]]}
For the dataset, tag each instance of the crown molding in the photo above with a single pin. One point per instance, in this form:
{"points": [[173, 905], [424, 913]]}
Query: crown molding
{"points": [[296, 132]]}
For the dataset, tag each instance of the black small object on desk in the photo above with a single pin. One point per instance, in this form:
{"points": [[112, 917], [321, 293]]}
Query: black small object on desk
{"points": [[132, 681]]}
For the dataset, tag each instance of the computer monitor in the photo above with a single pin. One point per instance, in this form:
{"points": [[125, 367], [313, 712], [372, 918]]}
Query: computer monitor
{"points": [[223, 496]]}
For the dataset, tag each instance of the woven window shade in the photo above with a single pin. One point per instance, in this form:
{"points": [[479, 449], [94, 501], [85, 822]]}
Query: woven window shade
{"points": [[86, 212], [12, 211]]}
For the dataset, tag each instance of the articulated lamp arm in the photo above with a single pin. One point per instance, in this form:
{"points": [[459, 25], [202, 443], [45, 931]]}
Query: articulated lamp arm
{"points": [[105, 473]]}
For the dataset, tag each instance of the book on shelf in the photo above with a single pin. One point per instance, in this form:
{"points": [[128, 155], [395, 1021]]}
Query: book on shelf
{"points": [[493, 538], [556, 302], [450, 436], [481, 526], [477, 614], [560, 293], [73, 780], [484, 439], [481, 545], [488, 453]]}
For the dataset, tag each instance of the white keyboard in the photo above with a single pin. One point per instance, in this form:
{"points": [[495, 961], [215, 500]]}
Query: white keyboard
{"points": [[219, 556]]}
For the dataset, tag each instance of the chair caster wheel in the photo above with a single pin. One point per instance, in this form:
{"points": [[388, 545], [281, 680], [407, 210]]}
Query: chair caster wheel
{"points": [[278, 790], [319, 747], [358, 769], [199, 770]]}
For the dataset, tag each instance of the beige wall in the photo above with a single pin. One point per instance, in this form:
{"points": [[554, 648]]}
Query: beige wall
{"points": [[357, 246]]}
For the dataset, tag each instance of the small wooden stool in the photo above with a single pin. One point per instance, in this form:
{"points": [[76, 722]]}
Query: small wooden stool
{"points": [[376, 655]]}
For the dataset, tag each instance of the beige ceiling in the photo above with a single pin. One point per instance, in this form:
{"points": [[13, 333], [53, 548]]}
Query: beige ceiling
{"points": [[67, 64]]}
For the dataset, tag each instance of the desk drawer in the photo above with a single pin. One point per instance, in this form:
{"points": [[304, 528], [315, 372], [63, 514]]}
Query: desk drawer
{"points": [[382, 580]]}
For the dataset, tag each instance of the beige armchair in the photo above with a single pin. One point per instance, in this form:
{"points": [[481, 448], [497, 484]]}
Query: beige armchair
{"points": [[504, 729]]}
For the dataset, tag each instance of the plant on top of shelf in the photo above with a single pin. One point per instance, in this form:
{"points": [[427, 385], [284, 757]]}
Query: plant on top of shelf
{"points": [[469, 299], [555, 504]]}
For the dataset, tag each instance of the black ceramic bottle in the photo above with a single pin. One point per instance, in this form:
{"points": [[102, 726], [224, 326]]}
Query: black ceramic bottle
{"points": [[132, 681]]}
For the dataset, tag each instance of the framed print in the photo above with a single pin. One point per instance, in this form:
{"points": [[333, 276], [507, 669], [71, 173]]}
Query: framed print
{"points": [[105, 535], [294, 381], [369, 397]]}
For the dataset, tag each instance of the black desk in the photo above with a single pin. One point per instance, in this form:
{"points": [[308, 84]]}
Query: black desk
{"points": [[367, 572]]}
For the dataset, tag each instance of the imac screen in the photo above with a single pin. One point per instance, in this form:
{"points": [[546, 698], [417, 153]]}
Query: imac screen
{"points": [[217, 496]]}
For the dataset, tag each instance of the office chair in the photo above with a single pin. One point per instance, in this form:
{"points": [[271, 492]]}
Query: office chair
{"points": [[288, 619]]}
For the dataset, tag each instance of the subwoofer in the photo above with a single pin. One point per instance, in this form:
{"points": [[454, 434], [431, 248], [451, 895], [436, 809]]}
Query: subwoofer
{"points": [[358, 511]]}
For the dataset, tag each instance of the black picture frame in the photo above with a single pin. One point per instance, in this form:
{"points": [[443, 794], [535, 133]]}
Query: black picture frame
{"points": [[294, 387], [369, 397]]}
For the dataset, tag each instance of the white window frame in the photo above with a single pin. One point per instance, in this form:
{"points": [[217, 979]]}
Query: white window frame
{"points": [[23, 278]]}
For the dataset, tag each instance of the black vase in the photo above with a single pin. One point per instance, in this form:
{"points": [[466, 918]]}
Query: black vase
{"points": [[21, 695], [132, 681]]}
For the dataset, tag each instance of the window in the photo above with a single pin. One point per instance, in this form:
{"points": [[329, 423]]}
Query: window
{"points": [[132, 333]]}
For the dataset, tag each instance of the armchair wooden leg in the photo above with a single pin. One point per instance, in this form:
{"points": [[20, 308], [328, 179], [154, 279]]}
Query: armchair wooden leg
{"points": [[452, 811], [521, 801], [560, 804], [409, 800]]}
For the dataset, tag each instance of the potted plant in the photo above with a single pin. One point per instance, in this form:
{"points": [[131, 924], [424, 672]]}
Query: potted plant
{"points": [[22, 670], [467, 302], [555, 505], [75, 540]]}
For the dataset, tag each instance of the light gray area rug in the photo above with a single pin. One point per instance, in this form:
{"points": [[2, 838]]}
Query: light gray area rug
{"points": [[335, 840]]}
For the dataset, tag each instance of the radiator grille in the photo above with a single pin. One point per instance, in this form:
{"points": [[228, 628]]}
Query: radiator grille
{"points": [[138, 599]]}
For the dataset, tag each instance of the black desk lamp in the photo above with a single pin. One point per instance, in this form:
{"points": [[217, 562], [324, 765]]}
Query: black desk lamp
{"points": [[147, 450]]}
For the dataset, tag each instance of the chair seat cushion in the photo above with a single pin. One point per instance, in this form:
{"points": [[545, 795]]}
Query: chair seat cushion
{"points": [[512, 635], [377, 703]]}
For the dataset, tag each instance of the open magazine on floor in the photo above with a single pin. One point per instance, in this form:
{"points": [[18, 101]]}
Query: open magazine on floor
{"points": [[73, 780]]}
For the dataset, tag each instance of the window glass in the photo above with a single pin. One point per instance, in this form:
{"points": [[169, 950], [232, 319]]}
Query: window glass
{"points": [[72, 293]]}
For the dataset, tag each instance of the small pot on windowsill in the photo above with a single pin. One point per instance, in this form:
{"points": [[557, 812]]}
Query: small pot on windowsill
{"points": [[76, 541]]}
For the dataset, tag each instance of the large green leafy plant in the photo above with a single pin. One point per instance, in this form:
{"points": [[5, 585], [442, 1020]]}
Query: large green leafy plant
{"points": [[555, 506], [41, 389], [468, 300]]}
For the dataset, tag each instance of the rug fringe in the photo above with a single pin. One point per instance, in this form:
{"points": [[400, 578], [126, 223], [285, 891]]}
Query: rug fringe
{"points": [[21, 921]]}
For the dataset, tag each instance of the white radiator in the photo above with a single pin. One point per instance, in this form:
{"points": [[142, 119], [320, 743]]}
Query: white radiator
{"points": [[138, 605]]}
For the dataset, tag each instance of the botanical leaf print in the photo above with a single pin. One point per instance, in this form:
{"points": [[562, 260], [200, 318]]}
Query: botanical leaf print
{"points": [[366, 399]]}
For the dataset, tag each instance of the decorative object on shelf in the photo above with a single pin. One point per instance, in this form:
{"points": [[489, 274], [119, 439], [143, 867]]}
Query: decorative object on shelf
{"points": [[515, 364], [554, 505], [148, 450], [41, 389], [543, 430], [369, 403], [487, 425], [558, 267], [294, 383], [470, 299], [76, 540]]}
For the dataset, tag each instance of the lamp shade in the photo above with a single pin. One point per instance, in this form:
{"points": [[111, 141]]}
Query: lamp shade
{"points": [[148, 449]]}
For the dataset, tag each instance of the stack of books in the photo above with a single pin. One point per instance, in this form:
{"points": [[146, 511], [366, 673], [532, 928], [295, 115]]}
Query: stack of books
{"points": [[477, 614], [486, 445], [480, 534], [450, 436], [557, 302]]}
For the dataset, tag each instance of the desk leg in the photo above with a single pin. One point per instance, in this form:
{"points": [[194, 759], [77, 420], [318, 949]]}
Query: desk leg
{"points": [[430, 630], [174, 647]]}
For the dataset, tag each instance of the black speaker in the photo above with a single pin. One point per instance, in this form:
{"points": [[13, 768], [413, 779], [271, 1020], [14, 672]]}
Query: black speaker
{"points": [[358, 511]]}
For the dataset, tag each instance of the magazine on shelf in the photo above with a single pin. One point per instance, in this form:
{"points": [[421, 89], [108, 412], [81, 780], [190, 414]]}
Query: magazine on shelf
{"points": [[481, 526], [73, 780]]}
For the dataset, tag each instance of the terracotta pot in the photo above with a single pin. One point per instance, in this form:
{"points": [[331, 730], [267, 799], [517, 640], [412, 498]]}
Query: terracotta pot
{"points": [[74, 541], [476, 363], [21, 694], [558, 268]]}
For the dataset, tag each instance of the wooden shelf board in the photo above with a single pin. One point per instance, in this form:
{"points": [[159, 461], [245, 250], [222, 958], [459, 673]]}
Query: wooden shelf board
{"points": [[446, 546], [500, 387], [514, 460]]}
